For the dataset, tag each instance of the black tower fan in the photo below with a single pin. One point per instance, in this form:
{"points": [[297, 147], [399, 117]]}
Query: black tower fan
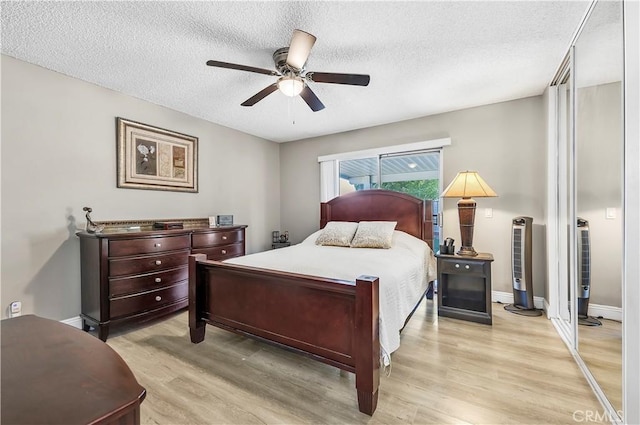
{"points": [[584, 273], [521, 268]]}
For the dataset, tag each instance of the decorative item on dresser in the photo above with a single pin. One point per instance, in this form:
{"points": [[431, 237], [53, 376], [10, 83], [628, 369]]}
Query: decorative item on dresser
{"points": [[224, 220], [91, 227], [131, 276], [166, 225]]}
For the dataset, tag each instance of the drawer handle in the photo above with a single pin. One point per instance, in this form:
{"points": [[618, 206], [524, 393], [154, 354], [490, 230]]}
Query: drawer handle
{"points": [[224, 238], [457, 266], [157, 245], [224, 251], [158, 262], [466, 267], [158, 280], [158, 298]]}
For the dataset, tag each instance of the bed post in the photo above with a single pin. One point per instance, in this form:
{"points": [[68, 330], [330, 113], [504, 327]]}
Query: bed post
{"points": [[427, 224], [196, 297], [325, 213], [367, 343]]}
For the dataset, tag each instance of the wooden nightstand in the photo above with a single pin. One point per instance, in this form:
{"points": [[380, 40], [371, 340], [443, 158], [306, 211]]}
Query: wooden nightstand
{"points": [[276, 245], [464, 287]]}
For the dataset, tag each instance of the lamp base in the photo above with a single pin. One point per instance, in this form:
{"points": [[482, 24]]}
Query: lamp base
{"points": [[467, 251], [466, 215]]}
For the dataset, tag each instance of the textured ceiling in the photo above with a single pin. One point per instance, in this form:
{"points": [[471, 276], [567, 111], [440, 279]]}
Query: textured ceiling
{"points": [[423, 57]]}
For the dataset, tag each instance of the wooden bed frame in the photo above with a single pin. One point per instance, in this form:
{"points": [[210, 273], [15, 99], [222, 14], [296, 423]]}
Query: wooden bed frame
{"points": [[333, 321]]}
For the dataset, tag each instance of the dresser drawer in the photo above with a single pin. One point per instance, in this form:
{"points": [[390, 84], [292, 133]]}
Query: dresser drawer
{"points": [[118, 248], [148, 263], [204, 240], [130, 285], [464, 266], [145, 301], [223, 252]]}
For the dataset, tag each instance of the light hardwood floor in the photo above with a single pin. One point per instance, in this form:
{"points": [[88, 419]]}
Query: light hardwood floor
{"points": [[601, 349], [446, 371]]}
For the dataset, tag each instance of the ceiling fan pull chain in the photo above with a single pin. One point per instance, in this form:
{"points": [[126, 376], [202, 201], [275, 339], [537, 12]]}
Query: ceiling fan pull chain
{"points": [[291, 110]]}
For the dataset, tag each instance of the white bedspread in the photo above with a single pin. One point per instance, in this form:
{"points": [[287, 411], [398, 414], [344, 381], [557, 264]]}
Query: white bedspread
{"points": [[404, 271]]}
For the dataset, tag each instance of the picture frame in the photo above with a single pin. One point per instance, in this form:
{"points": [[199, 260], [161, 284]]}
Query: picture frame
{"points": [[155, 158]]}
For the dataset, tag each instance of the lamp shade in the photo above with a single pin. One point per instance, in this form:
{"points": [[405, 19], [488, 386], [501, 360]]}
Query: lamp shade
{"points": [[468, 184]]}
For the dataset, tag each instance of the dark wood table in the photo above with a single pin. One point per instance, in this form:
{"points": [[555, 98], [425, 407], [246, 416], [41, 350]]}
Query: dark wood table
{"points": [[53, 373], [464, 287]]}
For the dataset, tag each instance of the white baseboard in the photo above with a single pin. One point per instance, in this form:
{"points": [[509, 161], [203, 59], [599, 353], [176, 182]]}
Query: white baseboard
{"points": [[595, 310], [605, 312], [76, 322]]}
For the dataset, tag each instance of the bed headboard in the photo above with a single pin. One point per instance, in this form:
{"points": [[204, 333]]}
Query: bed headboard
{"points": [[412, 214]]}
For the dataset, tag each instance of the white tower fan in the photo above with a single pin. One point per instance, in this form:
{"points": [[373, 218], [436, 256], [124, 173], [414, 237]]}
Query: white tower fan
{"points": [[584, 273], [521, 268]]}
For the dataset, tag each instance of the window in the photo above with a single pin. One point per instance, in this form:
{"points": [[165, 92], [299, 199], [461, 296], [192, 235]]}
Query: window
{"points": [[358, 174], [413, 169], [415, 173]]}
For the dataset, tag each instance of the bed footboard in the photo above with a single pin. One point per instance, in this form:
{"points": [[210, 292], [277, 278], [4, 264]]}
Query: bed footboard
{"points": [[330, 320]]}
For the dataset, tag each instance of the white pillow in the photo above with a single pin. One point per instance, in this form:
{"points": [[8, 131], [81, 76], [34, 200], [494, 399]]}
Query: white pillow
{"points": [[374, 234], [337, 233]]}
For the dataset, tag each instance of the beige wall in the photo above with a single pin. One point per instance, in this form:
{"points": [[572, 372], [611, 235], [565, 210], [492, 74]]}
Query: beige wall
{"points": [[504, 142], [59, 155]]}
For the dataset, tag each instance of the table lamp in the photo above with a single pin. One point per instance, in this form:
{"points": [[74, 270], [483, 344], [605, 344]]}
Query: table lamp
{"points": [[467, 184]]}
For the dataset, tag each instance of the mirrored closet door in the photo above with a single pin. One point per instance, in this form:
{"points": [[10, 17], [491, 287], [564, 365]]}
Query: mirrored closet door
{"points": [[598, 162], [561, 202], [587, 212]]}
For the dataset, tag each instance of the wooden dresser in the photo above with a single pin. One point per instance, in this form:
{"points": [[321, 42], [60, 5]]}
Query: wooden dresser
{"points": [[134, 276]]}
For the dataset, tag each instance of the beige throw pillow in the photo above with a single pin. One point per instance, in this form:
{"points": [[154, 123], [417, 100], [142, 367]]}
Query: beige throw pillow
{"points": [[337, 233], [374, 234]]}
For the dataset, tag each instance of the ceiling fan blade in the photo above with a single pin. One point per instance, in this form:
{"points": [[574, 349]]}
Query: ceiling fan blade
{"points": [[260, 95], [311, 99], [241, 67], [330, 77], [299, 48]]}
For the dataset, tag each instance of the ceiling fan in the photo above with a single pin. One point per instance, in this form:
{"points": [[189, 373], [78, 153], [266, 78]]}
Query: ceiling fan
{"points": [[294, 78]]}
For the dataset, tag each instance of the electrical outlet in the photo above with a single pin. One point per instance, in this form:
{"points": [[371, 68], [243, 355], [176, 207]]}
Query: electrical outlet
{"points": [[16, 309]]}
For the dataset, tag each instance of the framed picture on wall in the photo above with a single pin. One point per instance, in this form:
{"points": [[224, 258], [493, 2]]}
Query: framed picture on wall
{"points": [[156, 159]]}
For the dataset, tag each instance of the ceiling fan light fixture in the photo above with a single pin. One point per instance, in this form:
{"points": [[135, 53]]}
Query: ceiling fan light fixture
{"points": [[294, 79], [291, 85]]}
